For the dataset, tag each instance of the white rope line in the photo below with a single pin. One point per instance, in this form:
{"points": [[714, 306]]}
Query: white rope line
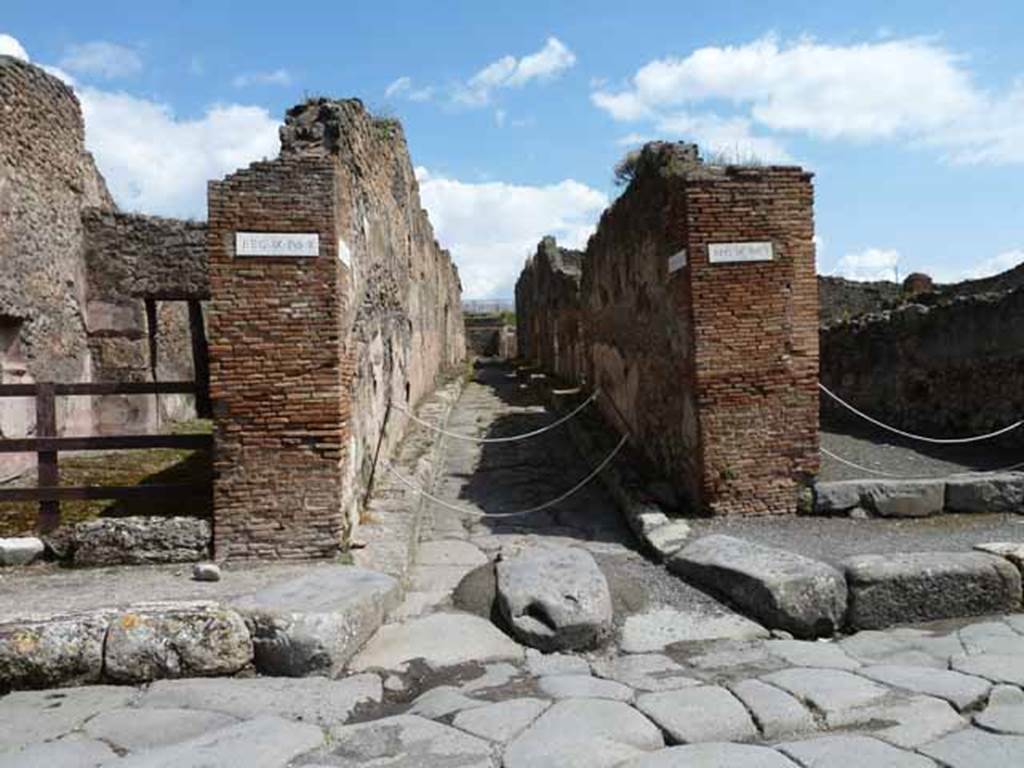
{"points": [[882, 473], [922, 438], [540, 507], [508, 439]]}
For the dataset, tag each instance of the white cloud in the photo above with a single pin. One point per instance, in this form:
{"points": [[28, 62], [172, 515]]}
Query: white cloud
{"points": [[9, 46], [509, 72], [492, 227], [100, 58], [276, 77], [869, 264], [993, 265], [158, 163], [403, 87], [910, 89], [730, 138]]}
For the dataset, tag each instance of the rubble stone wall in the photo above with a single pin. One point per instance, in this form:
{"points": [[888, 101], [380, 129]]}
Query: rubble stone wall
{"points": [[710, 367], [308, 354], [948, 370]]}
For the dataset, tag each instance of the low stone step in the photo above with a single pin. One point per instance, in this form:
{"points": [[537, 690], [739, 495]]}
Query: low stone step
{"points": [[884, 498], [901, 588]]}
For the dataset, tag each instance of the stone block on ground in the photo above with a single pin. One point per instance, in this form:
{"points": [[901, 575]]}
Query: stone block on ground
{"points": [[699, 714], [1001, 492], [924, 586], [885, 498], [316, 623], [668, 539], [583, 732], [781, 589], [555, 598], [20, 550], [48, 653], [440, 639], [402, 741], [176, 640], [134, 541]]}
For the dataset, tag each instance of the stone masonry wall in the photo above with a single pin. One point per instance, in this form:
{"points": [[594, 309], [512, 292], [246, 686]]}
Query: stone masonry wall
{"points": [[711, 367], [949, 370], [131, 259], [46, 179], [387, 302]]}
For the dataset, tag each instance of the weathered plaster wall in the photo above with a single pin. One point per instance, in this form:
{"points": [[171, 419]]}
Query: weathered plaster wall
{"points": [[712, 368], [303, 404], [949, 370]]}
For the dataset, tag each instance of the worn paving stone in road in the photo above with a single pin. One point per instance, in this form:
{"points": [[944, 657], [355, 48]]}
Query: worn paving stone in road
{"points": [[975, 748], [1004, 712], [583, 732], [704, 713], [960, 690], [583, 687], [501, 721], [778, 714], [310, 699], [847, 751], [998, 668], [713, 756], [36, 716], [72, 752], [440, 639], [663, 626], [137, 729], [264, 742], [833, 692], [645, 672]]}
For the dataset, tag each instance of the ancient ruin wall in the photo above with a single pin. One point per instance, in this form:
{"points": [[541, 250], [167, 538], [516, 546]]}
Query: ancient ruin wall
{"points": [[131, 261], [710, 367], [949, 370], [46, 179], [304, 405]]}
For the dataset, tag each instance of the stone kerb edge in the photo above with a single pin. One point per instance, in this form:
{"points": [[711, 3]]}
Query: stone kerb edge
{"points": [[968, 493]]}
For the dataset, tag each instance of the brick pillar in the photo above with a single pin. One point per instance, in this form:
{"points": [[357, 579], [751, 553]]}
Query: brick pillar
{"points": [[279, 371], [755, 335]]}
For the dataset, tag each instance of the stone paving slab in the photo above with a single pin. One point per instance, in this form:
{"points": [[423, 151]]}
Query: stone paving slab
{"points": [[975, 748], [713, 756], [847, 751], [703, 713], [402, 741]]}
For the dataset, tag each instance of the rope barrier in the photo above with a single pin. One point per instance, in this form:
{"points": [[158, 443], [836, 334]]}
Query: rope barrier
{"points": [[882, 473], [922, 438], [508, 439], [539, 508]]}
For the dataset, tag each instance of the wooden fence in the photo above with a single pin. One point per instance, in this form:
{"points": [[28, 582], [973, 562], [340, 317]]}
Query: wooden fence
{"points": [[47, 445]]}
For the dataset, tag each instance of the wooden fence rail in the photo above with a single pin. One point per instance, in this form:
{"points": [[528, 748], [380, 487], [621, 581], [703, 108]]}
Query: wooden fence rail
{"points": [[47, 445]]}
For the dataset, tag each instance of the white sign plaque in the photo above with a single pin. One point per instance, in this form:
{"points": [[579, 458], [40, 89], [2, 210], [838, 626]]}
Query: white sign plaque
{"points": [[723, 253], [677, 261], [289, 244]]}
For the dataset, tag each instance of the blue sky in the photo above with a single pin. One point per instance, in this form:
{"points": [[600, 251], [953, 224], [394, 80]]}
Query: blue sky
{"points": [[911, 115]]}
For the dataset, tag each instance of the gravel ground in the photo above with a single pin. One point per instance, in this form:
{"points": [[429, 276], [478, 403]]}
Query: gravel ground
{"points": [[881, 451]]}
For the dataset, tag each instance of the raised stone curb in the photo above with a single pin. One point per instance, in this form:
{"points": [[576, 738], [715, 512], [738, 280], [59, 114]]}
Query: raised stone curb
{"points": [[1002, 492], [997, 492], [395, 512], [780, 589], [925, 586], [646, 516]]}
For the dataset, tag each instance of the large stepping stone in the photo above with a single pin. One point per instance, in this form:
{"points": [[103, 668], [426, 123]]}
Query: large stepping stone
{"points": [[713, 756], [402, 742], [847, 751], [440, 640], [975, 748], [925, 586], [311, 699], [264, 742], [555, 598], [885, 498], [780, 589], [1003, 492], [315, 624], [583, 732], [704, 713]]}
